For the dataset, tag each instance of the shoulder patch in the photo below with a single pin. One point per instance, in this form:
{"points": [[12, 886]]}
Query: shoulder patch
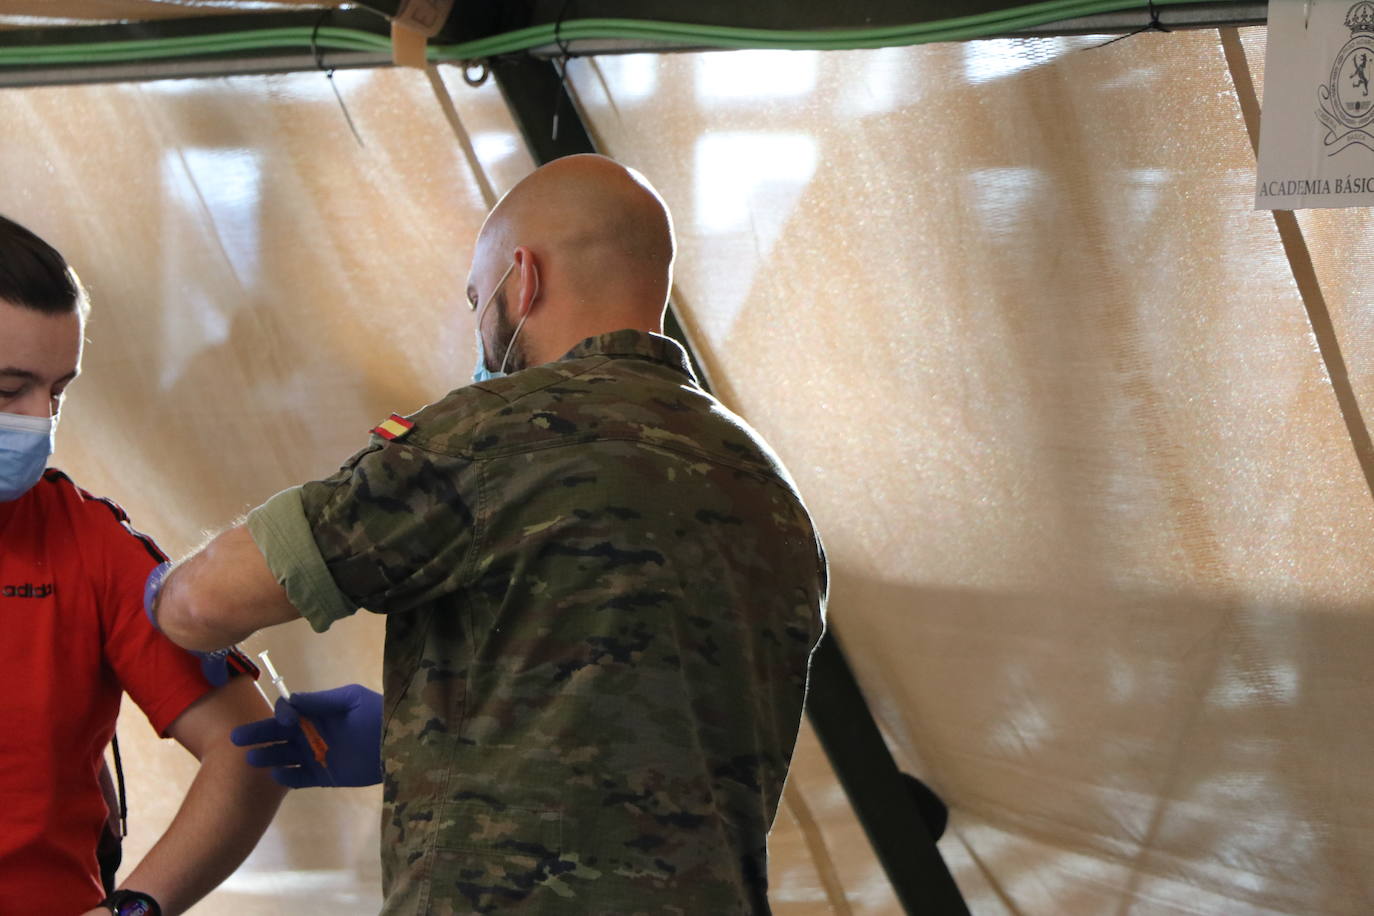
{"points": [[394, 427]]}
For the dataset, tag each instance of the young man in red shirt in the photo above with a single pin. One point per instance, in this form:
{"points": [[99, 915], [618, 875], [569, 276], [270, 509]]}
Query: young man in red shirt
{"points": [[75, 637]]}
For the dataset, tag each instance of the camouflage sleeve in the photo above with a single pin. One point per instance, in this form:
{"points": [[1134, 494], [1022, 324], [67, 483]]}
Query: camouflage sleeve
{"points": [[395, 526], [280, 530]]}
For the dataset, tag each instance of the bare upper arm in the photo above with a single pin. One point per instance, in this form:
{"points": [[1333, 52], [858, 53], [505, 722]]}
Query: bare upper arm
{"points": [[222, 594], [208, 721]]}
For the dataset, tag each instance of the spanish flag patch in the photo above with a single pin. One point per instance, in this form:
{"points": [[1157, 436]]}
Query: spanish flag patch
{"points": [[394, 427]]}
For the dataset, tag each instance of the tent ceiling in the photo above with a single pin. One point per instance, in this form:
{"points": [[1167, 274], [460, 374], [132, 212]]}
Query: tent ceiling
{"points": [[474, 19], [479, 29], [762, 14]]}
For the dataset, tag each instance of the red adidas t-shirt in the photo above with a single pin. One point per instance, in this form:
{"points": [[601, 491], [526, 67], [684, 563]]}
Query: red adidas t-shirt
{"points": [[73, 636]]}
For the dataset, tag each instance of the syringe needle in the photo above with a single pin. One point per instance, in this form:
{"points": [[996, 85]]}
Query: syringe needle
{"points": [[318, 748], [263, 693]]}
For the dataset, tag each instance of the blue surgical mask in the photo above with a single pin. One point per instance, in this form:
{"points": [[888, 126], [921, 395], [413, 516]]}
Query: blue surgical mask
{"points": [[480, 372], [25, 444]]}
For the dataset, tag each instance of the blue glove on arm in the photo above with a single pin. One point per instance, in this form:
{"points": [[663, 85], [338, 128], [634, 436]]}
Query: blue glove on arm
{"points": [[349, 719], [222, 664]]}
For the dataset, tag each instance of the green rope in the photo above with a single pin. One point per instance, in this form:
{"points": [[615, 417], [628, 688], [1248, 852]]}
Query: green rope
{"points": [[193, 46]]}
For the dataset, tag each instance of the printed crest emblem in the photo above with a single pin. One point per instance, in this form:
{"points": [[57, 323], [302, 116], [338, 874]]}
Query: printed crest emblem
{"points": [[1346, 101]]}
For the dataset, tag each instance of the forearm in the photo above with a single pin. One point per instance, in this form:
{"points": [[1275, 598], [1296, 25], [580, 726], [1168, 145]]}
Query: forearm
{"points": [[225, 812], [221, 595]]}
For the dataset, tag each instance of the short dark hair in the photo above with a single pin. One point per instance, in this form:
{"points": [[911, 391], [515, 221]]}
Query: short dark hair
{"points": [[33, 275]]}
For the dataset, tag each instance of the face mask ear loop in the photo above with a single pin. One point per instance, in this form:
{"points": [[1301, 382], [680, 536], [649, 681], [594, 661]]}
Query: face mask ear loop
{"points": [[481, 312], [510, 346]]}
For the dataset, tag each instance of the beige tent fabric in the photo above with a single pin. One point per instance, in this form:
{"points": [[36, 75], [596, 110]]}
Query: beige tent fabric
{"points": [[265, 291], [1101, 546]]}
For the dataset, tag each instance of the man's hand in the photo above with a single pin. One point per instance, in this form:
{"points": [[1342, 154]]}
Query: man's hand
{"points": [[349, 719]]}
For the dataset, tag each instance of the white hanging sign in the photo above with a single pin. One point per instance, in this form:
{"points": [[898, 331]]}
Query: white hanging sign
{"points": [[1317, 129]]}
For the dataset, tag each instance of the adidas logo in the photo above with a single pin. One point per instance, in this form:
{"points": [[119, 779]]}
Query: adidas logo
{"points": [[27, 590]]}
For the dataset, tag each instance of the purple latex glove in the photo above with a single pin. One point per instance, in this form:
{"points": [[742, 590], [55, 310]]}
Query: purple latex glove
{"points": [[222, 664], [349, 719]]}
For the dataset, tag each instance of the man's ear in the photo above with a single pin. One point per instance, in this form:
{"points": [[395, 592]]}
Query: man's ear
{"points": [[527, 270]]}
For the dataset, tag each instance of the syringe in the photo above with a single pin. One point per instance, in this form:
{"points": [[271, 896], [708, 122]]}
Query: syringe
{"points": [[277, 681], [318, 748]]}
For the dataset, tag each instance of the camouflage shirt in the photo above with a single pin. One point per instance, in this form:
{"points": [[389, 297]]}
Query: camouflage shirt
{"points": [[603, 593]]}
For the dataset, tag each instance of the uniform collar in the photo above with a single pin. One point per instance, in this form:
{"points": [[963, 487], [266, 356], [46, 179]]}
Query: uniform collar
{"points": [[645, 345]]}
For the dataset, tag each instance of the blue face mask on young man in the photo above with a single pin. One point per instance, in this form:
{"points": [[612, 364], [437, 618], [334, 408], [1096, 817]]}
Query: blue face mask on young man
{"points": [[480, 372], [25, 444]]}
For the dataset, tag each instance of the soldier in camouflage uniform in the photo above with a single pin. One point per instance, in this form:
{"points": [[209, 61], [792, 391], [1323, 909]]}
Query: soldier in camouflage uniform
{"points": [[602, 591]]}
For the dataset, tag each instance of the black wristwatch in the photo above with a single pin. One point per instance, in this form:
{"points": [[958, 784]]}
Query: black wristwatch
{"points": [[131, 903]]}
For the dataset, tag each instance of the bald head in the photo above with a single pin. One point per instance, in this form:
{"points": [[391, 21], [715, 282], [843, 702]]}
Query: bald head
{"points": [[592, 242], [594, 212]]}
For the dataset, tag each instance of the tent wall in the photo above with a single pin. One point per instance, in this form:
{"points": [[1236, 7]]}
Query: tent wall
{"points": [[1100, 541], [265, 291]]}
